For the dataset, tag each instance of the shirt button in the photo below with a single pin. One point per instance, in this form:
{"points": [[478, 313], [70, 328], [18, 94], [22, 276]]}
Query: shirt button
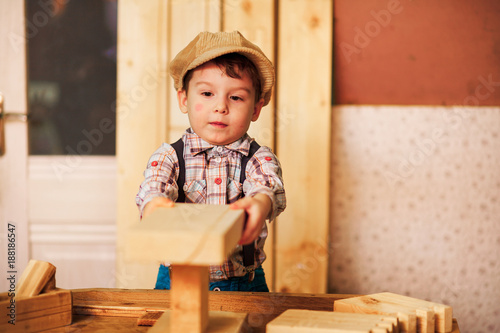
{"points": [[185, 187], [267, 158], [219, 149], [218, 181], [219, 273], [154, 163], [217, 159]]}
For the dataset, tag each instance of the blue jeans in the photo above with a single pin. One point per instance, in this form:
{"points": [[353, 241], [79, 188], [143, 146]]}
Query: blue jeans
{"points": [[232, 284]]}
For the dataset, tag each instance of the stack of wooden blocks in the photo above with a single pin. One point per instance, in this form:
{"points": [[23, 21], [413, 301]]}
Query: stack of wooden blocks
{"points": [[36, 304], [376, 313]]}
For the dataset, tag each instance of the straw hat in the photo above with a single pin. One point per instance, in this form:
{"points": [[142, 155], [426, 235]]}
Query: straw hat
{"points": [[207, 46]]}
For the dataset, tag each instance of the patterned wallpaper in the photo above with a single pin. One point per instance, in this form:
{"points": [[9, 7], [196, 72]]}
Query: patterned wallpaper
{"points": [[416, 207]]}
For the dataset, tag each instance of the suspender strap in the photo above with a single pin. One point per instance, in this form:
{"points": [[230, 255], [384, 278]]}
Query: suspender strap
{"points": [[179, 150], [248, 250]]}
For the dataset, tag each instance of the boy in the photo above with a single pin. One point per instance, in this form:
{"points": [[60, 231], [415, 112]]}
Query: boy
{"points": [[222, 82]]}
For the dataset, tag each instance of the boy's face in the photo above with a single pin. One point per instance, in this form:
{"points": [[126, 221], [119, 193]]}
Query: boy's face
{"points": [[220, 108]]}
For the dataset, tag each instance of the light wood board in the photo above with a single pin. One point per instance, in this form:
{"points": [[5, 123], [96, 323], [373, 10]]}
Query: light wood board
{"points": [[303, 127], [256, 21]]}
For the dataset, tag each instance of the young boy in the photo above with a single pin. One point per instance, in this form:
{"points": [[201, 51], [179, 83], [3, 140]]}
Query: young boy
{"points": [[222, 82]]}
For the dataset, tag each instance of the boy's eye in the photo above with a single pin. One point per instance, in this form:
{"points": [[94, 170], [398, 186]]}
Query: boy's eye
{"points": [[236, 98], [206, 94]]}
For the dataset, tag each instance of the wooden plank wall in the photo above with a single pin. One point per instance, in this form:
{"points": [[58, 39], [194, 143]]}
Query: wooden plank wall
{"points": [[295, 124]]}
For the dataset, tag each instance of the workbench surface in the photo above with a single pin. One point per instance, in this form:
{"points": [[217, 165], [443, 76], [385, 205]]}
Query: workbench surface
{"points": [[110, 310]]}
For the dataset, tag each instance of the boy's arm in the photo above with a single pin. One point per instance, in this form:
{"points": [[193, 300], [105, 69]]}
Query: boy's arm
{"points": [[264, 193], [257, 208], [159, 187]]}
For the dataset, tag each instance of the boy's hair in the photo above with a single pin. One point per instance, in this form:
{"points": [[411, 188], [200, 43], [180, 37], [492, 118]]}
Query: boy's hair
{"points": [[233, 65]]}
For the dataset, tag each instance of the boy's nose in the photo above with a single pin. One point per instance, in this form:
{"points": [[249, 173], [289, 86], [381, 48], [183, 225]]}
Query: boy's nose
{"points": [[221, 106]]}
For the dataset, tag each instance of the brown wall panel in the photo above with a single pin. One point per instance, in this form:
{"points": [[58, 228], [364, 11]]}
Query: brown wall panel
{"points": [[417, 52]]}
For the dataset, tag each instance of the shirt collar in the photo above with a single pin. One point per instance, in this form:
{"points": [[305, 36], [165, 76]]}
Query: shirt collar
{"points": [[197, 145]]}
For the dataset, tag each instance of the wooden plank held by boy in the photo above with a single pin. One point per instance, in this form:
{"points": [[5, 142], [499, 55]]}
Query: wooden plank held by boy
{"points": [[190, 237], [35, 304]]}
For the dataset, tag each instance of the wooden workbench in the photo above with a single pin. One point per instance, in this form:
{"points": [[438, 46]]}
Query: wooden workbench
{"points": [[110, 310]]}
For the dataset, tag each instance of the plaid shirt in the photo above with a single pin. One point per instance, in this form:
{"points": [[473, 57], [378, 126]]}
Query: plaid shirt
{"points": [[212, 177]]}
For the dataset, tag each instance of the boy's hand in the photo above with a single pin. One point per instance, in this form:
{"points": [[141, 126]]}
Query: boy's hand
{"points": [[155, 203], [257, 209]]}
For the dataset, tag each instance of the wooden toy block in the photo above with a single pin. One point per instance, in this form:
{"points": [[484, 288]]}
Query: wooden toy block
{"points": [[188, 234], [190, 237], [305, 321], [414, 315], [34, 278], [189, 298]]}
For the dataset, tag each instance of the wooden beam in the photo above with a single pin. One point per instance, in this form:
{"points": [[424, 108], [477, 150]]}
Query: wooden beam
{"points": [[189, 299], [188, 234]]}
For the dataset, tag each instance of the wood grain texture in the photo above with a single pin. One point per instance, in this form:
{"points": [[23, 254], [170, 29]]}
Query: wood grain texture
{"points": [[134, 302], [304, 122], [192, 234]]}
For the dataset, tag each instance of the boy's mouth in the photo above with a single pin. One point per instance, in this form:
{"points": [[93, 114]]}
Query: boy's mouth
{"points": [[218, 124]]}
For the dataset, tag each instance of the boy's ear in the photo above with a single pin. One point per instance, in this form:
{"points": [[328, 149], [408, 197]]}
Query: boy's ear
{"points": [[182, 99], [257, 108]]}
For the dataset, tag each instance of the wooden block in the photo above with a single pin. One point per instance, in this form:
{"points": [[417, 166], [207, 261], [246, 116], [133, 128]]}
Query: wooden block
{"points": [[189, 301], [218, 322], [443, 313], [36, 313], [368, 305], [192, 234], [305, 321], [34, 278]]}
